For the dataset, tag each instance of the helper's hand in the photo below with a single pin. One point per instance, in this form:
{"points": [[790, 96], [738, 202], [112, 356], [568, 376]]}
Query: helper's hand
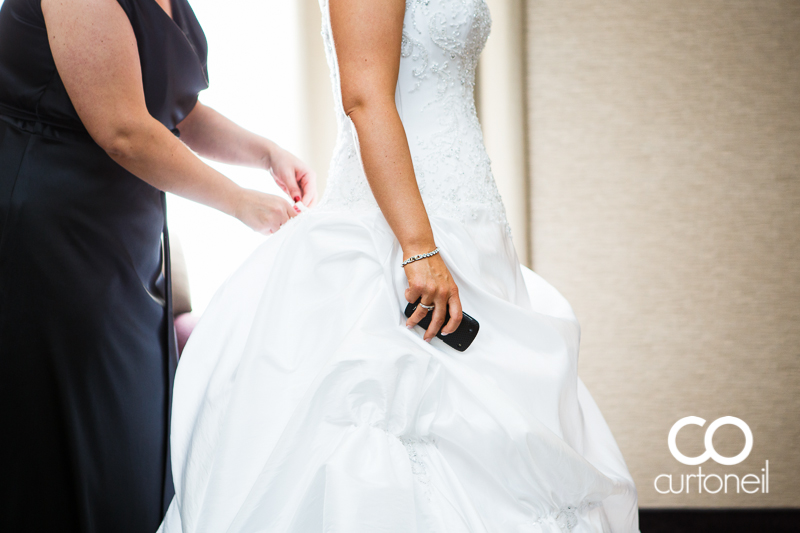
{"points": [[293, 176], [265, 213]]}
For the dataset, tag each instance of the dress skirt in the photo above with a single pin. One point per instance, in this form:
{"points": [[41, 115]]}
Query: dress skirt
{"points": [[87, 352]]}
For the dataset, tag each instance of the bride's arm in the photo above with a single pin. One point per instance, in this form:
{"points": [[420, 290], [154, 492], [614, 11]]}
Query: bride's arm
{"points": [[216, 137], [367, 36]]}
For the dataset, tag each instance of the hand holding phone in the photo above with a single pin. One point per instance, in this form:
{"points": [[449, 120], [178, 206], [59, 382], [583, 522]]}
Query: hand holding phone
{"points": [[461, 338]]}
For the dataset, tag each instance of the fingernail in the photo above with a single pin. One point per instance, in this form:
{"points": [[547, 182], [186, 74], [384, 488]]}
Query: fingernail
{"points": [[443, 334], [296, 198], [409, 326]]}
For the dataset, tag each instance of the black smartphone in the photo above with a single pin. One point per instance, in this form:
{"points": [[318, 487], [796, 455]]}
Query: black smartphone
{"points": [[461, 338]]}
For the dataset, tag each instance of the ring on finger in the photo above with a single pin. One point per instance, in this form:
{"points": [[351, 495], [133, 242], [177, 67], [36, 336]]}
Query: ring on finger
{"points": [[428, 307]]}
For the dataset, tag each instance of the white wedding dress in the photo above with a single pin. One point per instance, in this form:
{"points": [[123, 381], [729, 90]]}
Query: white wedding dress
{"points": [[303, 404]]}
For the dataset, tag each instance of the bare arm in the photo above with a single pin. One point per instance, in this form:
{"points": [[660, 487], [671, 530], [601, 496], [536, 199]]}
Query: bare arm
{"points": [[368, 34], [216, 137], [97, 58]]}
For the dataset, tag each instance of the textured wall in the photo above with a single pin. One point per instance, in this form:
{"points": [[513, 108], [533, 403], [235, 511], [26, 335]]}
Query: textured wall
{"points": [[665, 164]]}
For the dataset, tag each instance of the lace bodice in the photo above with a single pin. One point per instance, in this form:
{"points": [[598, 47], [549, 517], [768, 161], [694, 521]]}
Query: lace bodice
{"points": [[442, 40]]}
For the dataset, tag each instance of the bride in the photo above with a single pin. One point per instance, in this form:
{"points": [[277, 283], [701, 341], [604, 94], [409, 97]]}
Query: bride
{"points": [[306, 401]]}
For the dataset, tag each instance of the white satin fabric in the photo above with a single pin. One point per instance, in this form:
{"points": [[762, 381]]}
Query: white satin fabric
{"points": [[302, 403]]}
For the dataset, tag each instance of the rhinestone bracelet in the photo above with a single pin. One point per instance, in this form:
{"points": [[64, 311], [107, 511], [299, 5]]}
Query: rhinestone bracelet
{"points": [[420, 256]]}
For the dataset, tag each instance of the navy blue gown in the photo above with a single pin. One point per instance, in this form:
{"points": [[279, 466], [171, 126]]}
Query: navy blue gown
{"points": [[87, 349]]}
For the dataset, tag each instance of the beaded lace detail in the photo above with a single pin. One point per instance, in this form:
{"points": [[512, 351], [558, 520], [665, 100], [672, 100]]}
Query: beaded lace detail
{"points": [[566, 518], [415, 447], [442, 41]]}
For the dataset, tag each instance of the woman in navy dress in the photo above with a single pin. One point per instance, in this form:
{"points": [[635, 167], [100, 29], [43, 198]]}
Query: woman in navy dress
{"points": [[93, 96]]}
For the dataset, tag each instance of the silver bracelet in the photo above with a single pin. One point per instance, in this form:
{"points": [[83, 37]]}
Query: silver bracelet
{"points": [[420, 256]]}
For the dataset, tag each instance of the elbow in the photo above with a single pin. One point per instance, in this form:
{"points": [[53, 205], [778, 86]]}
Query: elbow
{"points": [[116, 144], [123, 140], [352, 104], [356, 104]]}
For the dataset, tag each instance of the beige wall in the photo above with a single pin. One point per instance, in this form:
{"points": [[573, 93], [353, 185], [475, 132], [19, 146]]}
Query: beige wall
{"points": [[664, 151]]}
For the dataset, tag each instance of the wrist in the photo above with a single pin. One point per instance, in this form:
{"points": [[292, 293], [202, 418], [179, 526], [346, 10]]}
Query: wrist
{"points": [[235, 200], [267, 151], [417, 248], [420, 257]]}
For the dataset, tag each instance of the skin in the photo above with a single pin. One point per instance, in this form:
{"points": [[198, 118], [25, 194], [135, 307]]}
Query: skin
{"points": [[216, 137], [367, 36], [95, 51]]}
